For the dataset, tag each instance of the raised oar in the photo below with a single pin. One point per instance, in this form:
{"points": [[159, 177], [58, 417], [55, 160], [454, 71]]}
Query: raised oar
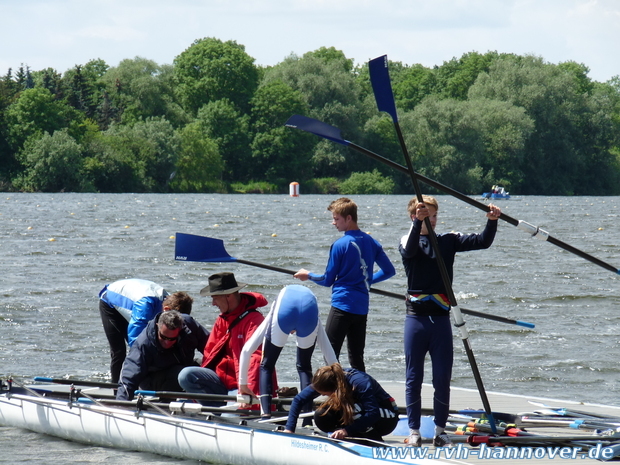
{"points": [[193, 248], [76, 382], [324, 130], [380, 80]]}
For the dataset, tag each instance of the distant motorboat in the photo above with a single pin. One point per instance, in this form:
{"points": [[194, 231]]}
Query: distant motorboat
{"points": [[497, 192]]}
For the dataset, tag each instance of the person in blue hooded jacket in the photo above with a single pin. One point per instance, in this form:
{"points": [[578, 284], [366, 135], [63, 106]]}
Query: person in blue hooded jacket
{"points": [[126, 306]]}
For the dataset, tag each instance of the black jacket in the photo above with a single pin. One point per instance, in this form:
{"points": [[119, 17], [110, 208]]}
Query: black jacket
{"points": [[147, 355]]}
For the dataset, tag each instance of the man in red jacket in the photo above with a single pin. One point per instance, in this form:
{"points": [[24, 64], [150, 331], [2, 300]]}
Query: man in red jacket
{"points": [[236, 323]]}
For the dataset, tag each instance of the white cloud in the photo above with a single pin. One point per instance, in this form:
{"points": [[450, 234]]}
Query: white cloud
{"points": [[63, 33]]}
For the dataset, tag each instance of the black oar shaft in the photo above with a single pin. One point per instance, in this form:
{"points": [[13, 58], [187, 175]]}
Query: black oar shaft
{"points": [[524, 226], [76, 382]]}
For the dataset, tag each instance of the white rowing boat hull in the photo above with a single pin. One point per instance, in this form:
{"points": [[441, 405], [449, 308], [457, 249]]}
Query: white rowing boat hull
{"points": [[210, 440]]}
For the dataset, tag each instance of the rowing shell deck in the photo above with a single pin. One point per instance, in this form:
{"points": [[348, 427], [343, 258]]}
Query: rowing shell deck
{"points": [[463, 399], [222, 440]]}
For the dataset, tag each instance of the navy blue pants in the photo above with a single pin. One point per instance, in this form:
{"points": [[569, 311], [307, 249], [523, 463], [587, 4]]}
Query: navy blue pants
{"points": [[271, 353], [432, 335]]}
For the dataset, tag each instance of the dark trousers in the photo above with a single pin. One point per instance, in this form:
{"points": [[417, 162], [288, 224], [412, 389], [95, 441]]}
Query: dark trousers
{"points": [[432, 335], [331, 420], [341, 324], [271, 353], [115, 327]]}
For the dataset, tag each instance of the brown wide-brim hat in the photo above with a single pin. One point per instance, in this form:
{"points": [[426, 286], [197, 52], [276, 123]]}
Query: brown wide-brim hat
{"points": [[220, 284]]}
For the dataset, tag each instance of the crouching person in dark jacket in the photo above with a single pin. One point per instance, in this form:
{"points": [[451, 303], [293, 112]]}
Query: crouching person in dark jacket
{"points": [[163, 349]]}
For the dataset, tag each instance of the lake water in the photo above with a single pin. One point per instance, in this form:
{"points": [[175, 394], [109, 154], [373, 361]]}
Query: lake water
{"points": [[59, 250]]}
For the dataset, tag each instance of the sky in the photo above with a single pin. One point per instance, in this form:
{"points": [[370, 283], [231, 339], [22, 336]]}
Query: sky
{"points": [[63, 33]]}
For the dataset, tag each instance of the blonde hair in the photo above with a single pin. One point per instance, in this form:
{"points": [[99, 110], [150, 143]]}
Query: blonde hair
{"points": [[428, 200], [332, 378], [344, 207]]}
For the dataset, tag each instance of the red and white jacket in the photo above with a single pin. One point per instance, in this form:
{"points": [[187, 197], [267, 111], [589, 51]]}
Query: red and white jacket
{"points": [[223, 348]]}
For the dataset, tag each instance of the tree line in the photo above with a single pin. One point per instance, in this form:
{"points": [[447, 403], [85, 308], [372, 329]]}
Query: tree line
{"points": [[213, 121]]}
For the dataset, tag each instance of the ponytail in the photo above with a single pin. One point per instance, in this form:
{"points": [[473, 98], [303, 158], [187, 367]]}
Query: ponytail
{"points": [[332, 378]]}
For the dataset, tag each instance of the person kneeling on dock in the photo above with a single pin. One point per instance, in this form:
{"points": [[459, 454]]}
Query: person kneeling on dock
{"points": [[165, 347], [294, 311], [357, 405], [238, 320]]}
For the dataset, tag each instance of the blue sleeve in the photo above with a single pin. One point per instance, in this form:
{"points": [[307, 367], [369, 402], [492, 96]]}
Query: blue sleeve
{"points": [[300, 399], [143, 311], [332, 269], [387, 269]]}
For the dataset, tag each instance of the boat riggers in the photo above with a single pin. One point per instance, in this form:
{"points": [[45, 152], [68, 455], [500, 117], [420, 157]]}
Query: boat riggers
{"points": [[193, 248]]}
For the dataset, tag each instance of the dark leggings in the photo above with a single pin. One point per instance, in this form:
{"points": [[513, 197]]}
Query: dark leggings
{"points": [[331, 420], [341, 324], [115, 327], [271, 353]]}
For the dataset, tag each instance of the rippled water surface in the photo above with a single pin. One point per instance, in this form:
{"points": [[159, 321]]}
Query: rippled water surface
{"points": [[58, 250]]}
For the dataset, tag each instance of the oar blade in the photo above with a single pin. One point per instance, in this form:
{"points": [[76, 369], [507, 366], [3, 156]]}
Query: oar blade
{"points": [[193, 248], [316, 127], [381, 86]]}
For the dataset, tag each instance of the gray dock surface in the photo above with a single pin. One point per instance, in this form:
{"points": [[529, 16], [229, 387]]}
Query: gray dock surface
{"points": [[465, 399]]}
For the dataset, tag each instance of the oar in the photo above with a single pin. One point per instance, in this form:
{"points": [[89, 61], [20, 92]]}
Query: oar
{"points": [[76, 382], [332, 133], [193, 248], [380, 80], [209, 397]]}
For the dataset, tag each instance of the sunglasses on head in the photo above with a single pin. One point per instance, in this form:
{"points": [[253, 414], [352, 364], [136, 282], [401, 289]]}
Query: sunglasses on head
{"points": [[166, 338]]}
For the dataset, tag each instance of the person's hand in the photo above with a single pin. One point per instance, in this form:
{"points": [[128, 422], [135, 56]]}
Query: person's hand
{"points": [[494, 212], [244, 389], [339, 434], [302, 275], [421, 212]]}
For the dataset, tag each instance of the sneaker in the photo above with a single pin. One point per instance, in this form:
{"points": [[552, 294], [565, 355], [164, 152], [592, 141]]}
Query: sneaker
{"points": [[442, 440], [414, 440]]}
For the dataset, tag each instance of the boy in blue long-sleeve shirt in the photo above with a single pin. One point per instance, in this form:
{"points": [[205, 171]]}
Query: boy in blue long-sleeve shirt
{"points": [[350, 274]]}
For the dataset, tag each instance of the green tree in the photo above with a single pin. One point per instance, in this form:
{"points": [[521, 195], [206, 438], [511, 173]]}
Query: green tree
{"points": [[568, 131], [138, 158], [211, 70], [199, 166], [52, 163], [36, 112], [141, 89], [221, 122], [367, 183], [279, 154], [333, 96], [455, 77]]}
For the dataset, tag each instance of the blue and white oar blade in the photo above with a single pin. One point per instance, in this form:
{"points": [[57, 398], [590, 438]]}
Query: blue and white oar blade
{"points": [[192, 248], [316, 127], [381, 86]]}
